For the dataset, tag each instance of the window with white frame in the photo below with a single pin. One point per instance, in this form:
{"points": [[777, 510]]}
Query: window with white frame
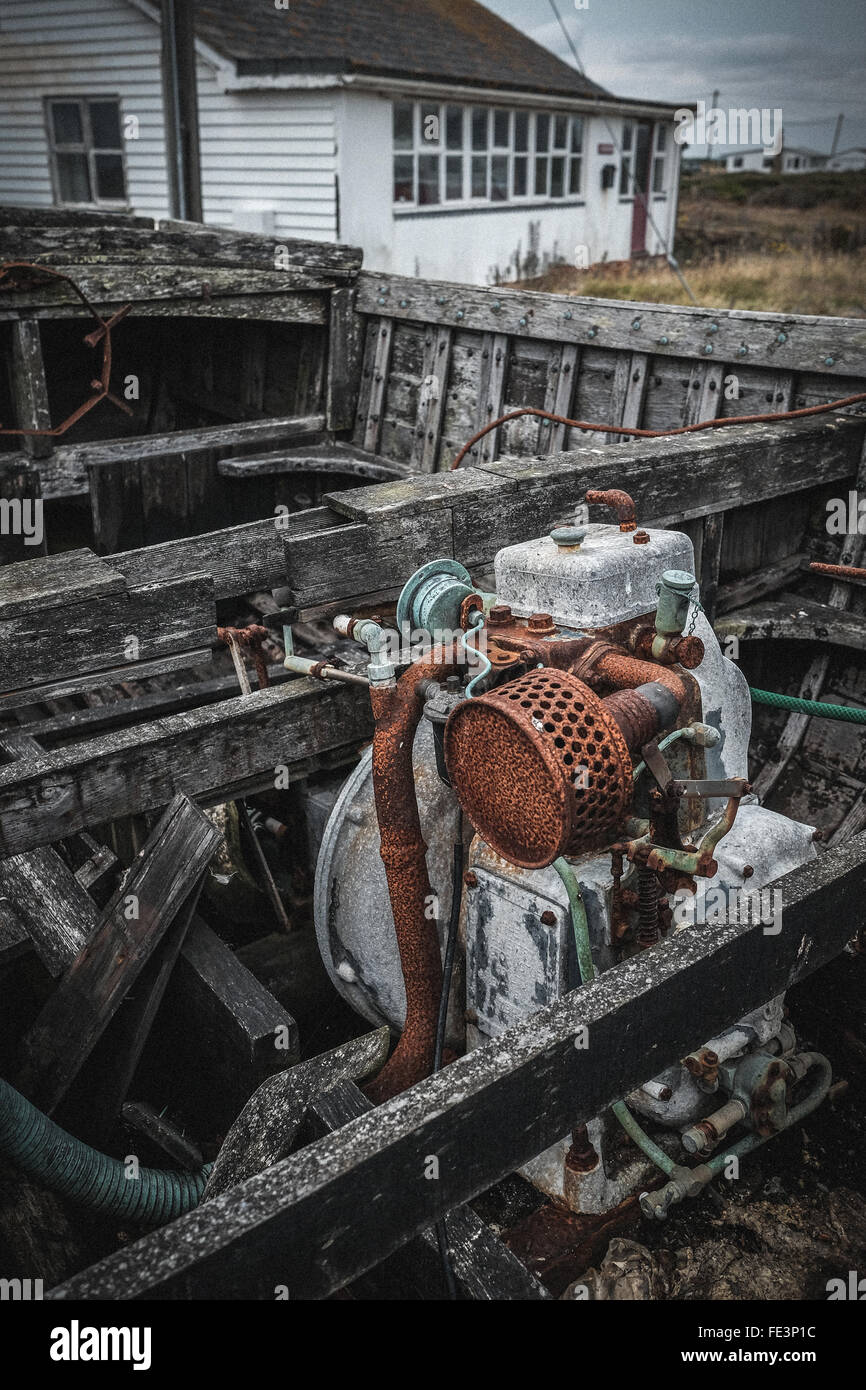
{"points": [[86, 150], [447, 154]]}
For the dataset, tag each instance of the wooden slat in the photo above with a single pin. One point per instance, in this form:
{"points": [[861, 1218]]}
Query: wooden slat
{"points": [[796, 620], [345, 356], [758, 585], [491, 391], [234, 746], [29, 390], [21, 491], [711, 560], [569, 369], [833, 346], [76, 1015], [320, 1218], [431, 401], [384, 331]]}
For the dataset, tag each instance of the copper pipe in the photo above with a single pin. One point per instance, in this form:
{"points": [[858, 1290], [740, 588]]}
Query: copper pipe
{"points": [[397, 710], [850, 573], [622, 504], [598, 428]]}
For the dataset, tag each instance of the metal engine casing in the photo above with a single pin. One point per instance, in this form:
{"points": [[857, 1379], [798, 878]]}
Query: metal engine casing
{"points": [[515, 964]]}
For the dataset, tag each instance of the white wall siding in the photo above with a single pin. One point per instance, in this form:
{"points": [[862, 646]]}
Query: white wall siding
{"points": [[269, 151]]}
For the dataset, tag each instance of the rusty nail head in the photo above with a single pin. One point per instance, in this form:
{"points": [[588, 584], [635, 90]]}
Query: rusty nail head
{"points": [[747, 871], [470, 879], [548, 918]]}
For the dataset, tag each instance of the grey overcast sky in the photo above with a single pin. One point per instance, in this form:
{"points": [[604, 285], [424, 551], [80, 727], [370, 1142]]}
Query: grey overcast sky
{"points": [[805, 56]]}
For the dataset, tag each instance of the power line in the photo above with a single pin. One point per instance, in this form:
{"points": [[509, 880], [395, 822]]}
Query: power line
{"points": [[568, 38]]}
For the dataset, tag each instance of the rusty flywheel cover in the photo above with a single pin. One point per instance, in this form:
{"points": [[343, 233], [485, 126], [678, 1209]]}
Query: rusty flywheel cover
{"points": [[539, 767]]}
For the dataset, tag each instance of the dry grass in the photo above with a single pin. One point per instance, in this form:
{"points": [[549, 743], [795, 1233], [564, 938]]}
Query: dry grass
{"points": [[784, 281]]}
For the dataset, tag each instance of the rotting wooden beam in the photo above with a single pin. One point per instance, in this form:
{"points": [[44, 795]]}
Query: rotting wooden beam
{"points": [[212, 754], [796, 620], [737, 593], [786, 342], [145, 904], [317, 1220]]}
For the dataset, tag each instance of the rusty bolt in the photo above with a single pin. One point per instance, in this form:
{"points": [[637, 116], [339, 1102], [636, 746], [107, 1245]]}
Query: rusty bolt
{"points": [[747, 871], [548, 918], [541, 622], [470, 879], [641, 538], [499, 615]]}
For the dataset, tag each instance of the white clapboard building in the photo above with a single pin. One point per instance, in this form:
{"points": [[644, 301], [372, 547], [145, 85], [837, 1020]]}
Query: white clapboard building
{"points": [[431, 133]]}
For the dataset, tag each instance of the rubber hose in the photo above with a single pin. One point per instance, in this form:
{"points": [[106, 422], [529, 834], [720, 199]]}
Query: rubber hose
{"points": [[813, 707], [67, 1165]]}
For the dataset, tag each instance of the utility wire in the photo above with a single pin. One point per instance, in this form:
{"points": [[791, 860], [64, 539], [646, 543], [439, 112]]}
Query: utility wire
{"points": [[638, 192]]}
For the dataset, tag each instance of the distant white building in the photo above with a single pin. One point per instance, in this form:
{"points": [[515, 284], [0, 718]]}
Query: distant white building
{"points": [[755, 160], [853, 160], [441, 140], [794, 159]]}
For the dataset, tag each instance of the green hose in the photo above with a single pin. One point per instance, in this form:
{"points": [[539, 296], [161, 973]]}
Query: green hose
{"points": [[816, 707], [46, 1152], [586, 965]]}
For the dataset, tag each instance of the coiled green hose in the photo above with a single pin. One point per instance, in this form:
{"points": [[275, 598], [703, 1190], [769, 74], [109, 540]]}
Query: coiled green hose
{"points": [[816, 707], [46, 1152]]}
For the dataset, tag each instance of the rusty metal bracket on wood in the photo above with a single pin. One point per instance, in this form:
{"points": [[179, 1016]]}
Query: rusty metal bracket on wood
{"points": [[100, 385]]}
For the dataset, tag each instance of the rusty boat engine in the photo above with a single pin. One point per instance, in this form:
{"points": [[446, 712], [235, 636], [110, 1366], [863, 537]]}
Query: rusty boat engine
{"points": [[558, 782]]}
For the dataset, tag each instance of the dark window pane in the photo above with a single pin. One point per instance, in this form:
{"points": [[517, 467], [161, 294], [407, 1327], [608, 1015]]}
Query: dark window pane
{"points": [[520, 176], [105, 125], [454, 127], [541, 177], [479, 127], [627, 135], [560, 132], [479, 176], [66, 119], [404, 113], [454, 177], [625, 178], [521, 130], [574, 178], [576, 134], [431, 125], [109, 176], [73, 178], [661, 138], [404, 178], [501, 129], [542, 133], [557, 177], [499, 178], [428, 179], [658, 175]]}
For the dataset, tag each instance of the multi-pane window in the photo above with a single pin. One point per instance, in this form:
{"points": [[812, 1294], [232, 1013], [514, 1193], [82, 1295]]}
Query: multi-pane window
{"points": [[484, 154], [86, 144], [658, 183]]}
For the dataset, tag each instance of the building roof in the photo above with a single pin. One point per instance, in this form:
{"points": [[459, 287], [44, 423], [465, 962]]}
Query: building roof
{"points": [[438, 40]]}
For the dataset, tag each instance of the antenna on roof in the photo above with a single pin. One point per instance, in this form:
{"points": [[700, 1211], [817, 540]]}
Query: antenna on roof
{"points": [[569, 40]]}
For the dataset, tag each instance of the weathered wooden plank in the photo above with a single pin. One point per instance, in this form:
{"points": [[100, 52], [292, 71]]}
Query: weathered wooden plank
{"points": [[100, 680], [76, 1015], [711, 561], [138, 624], [46, 899], [381, 365], [569, 369], [58, 581], [795, 619], [173, 244], [235, 746], [758, 585], [345, 358], [491, 391], [432, 398], [29, 390], [484, 1269], [786, 342], [320, 1218]]}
